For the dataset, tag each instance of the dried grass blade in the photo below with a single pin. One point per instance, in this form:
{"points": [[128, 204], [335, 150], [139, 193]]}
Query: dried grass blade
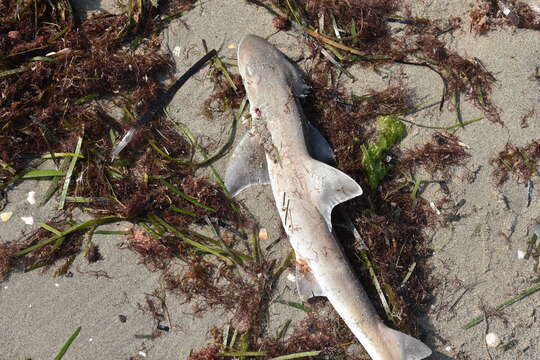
{"points": [[283, 266], [54, 182], [409, 273], [60, 155], [67, 179], [67, 344], [216, 252], [365, 259], [183, 212], [214, 242], [70, 230], [184, 196], [39, 173], [112, 232], [336, 64], [58, 35], [218, 63], [242, 353], [13, 71], [295, 305], [222, 244], [50, 228], [297, 355], [504, 305]]}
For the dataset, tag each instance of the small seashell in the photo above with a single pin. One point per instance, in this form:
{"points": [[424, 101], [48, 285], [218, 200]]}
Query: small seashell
{"points": [[434, 207], [291, 277], [521, 254], [5, 216], [493, 340], [263, 234], [31, 198], [28, 220]]}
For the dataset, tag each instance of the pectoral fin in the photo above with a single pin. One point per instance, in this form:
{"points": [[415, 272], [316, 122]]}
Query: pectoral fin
{"points": [[330, 187], [247, 166], [306, 284], [318, 146]]}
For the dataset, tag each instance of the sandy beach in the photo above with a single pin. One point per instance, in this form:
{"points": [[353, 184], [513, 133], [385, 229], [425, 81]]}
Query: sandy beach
{"points": [[477, 261]]}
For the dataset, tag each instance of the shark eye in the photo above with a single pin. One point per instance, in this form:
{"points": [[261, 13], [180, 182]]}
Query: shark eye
{"points": [[252, 74]]}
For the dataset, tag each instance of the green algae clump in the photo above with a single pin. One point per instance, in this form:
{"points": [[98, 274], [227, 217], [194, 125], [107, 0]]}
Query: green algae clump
{"points": [[391, 131]]}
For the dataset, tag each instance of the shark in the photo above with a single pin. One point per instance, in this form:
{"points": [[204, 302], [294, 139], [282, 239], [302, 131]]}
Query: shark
{"points": [[283, 149]]}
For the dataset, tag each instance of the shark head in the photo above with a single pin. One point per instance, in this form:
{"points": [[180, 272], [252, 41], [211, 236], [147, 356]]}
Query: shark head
{"points": [[265, 70]]}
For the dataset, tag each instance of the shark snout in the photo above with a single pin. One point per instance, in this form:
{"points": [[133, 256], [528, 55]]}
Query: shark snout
{"points": [[254, 53], [252, 48]]}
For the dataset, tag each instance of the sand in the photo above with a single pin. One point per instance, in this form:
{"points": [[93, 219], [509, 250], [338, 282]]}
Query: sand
{"points": [[39, 311]]}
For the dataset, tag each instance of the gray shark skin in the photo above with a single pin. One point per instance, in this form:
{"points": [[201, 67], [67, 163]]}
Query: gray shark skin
{"points": [[279, 150]]}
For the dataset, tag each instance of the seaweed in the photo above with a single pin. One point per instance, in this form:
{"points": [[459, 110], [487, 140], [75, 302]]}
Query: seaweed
{"points": [[158, 190], [361, 34], [520, 161], [391, 131], [487, 15], [7, 251], [439, 155]]}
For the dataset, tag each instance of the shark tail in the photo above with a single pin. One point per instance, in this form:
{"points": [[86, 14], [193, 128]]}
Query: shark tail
{"points": [[403, 346]]}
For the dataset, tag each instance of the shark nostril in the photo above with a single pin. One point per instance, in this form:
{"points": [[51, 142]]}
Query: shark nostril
{"points": [[250, 71]]}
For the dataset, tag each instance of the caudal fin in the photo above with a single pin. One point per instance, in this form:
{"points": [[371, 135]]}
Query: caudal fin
{"points": [[405, 347]]}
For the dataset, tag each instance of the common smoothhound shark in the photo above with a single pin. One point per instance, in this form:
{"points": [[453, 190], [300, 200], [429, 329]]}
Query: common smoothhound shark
{"points": [[281, 149]]}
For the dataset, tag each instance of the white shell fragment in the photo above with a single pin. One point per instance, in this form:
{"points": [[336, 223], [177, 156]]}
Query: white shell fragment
{"points": [[291, 277], [432, 204], [28, 220], [521, 254], [31, 198], [5, 216], [493, 340], [123, 143]]}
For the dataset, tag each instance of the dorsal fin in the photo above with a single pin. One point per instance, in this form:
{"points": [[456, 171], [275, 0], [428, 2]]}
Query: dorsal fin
{"points": [[329, 187], [247, 166]]}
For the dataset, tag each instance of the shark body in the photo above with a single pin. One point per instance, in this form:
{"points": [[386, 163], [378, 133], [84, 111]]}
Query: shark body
{"points": [[281, 149]]}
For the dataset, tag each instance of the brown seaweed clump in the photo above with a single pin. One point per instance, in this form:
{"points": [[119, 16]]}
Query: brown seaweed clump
{"points": [[487, 15], [7, 250], [58, 68], [367, 36], [439, 155], [327, 334], [346, 120], [520, 161], [224, 97], [223, 287]]}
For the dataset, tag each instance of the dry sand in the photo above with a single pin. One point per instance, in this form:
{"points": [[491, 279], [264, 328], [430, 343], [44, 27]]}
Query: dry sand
{"points": [[38, 312]]}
